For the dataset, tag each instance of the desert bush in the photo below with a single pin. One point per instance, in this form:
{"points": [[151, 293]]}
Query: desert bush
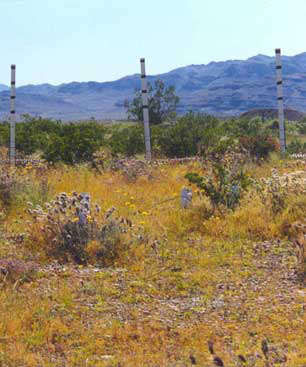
{"points": [[14, 270], [32, 134], [4, 134], [75, 143], [178, 140], [297, 234], [68, 224], [223, 186], [274, 125], [253, 136], [69, 143], [247, 126], [278, 189], [273, 193], [192, 134], [101, 160], [189, 135], [106, 246], [132, 169], [6, 184], [12, 183], [302, 128], [259, 146], [296, 146], [28, 182], [127, 141], [197, 134]]}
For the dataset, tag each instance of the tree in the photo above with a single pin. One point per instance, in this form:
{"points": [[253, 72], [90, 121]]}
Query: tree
{"points": [[162, 103]]}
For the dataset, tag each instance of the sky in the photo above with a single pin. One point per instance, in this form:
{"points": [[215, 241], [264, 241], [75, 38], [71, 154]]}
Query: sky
{"points": [[60, 41]]}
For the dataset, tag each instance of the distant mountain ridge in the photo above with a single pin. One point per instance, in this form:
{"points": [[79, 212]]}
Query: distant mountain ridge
{"points": [[226, 88], [3, 87], [268, 114]]}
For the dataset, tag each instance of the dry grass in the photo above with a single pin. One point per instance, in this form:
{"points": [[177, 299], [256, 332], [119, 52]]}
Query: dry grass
{"points": [[190, 276]]}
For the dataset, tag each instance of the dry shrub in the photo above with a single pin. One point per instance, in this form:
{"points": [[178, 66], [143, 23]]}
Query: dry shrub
{"points": [[294, 211], [109, 243], [15, 182], [132, 169], [4, 153], [297, 234], [259, 146], [14, 270], [68, 225], [292, 224], [6, 185], [101, 160], [277, 189]]}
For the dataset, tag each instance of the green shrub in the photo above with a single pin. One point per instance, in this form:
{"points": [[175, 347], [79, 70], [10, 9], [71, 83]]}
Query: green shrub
{"points": [[69, 143], [191, 134], [128, 141], [33, 134], [223, 187], [296, 147], [178, 141], [274, 125], [75, 143], [302, 128], [247, 127], [4, 133]]}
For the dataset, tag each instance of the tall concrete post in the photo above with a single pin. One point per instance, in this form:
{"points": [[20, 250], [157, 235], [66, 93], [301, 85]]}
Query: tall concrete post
{"points": [[12, 114], [280, 100], [145, 109]]}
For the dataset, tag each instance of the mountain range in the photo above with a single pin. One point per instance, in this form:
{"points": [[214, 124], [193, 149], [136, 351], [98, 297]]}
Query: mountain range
{"points": [[227, 88]]}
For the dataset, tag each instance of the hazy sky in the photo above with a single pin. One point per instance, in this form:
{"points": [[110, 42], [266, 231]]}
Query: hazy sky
{"points": [[56, 41]]}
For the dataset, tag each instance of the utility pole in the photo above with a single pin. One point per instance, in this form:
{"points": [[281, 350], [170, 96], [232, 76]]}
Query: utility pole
{"points": [[280, 100], [12, 114], [145, 109]]}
